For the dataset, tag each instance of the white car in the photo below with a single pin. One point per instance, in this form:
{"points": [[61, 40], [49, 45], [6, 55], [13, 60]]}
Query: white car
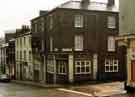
{"points": [[4, 78]]}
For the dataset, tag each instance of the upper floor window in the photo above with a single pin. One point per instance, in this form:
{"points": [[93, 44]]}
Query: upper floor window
{"points": [[78, 21], [51, 44], [111, 43], [20, 41], [36, 27], [51, 22], [20, 55], [17, 55], [30, 55], [24, 55], [24, 41], [111, 22], [42, 24], [29, 41], [78, 42]]}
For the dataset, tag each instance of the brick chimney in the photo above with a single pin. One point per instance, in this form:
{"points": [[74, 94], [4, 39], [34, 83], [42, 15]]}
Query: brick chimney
{"points": [[111, 2], [85, 1]]}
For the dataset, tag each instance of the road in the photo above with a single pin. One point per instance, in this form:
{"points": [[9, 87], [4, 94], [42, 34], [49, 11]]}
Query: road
{"points": [[16, 90]]}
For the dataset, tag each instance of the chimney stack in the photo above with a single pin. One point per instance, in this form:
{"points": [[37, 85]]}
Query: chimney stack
{"points": [[85, 1], [111, 2]]}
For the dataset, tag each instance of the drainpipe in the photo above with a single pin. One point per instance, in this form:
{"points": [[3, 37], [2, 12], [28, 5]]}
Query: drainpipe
{"points": [[55, 72]]}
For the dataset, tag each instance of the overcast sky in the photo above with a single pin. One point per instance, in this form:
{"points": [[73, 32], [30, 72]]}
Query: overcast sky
{"points": [[14, 13]]}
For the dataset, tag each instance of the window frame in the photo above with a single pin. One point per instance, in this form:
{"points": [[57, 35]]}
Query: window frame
{"points": [[78, 43], [111, 22], [51, 44], [78, 21], [111, 64], [50, 66], [85, 66], [62, 67], [111, 44]]}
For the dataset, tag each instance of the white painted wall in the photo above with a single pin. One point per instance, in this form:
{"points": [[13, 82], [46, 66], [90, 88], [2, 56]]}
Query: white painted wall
{"points": [[25, 47], [71, 71]]}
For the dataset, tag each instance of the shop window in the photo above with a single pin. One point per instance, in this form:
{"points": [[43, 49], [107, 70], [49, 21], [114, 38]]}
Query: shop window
{"points": [[111, 65], [82, 66], [62, 66], [50, 66]]}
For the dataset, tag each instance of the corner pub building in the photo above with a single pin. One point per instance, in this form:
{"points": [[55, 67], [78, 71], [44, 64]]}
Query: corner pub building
{"points": [[79, 42]]}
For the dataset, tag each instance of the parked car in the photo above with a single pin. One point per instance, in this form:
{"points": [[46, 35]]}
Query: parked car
{"points": [[4, 78]]}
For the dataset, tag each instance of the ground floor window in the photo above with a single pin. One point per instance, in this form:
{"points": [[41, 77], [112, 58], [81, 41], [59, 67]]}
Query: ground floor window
{"points": [[111, 65], [62, 66], [82, 66], [50, 66]]}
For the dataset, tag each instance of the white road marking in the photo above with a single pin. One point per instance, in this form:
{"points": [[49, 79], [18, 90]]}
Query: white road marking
{"points": [[76, 92]]}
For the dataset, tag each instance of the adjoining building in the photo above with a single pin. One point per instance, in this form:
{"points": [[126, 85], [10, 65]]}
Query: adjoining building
{"points": [[23, 53], [10, 54], [3, 57], [2, 41], [79, 42], [127, 37], [127, 43], [37, 30]]}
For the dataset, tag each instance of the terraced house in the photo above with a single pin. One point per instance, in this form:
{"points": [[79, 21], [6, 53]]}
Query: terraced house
{"points": [[23, 53], [78, 42]]}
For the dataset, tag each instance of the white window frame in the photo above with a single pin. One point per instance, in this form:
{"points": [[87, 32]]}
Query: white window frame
{"points": [[78, 41], [50, 66], [62, 67], [111, 43], [111, 22], [85, 67], [51, 44], [51, 22], [111, 63], [78, 21]]}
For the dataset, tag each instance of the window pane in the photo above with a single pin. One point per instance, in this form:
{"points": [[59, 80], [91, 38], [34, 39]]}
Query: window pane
{"points": [[115, 68], [111, 68], [87, 69], [78, 63], [78, 70], [82, 69], [111, 43], [78, 22], [111, 22], [78, 43], [82, 64], [107, 69]]}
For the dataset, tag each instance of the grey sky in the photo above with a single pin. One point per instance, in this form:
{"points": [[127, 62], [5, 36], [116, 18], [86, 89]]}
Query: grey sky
{"points": [[14, 13]]}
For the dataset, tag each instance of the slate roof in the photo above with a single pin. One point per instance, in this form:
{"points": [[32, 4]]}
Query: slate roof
{"points": [[93, 6]]}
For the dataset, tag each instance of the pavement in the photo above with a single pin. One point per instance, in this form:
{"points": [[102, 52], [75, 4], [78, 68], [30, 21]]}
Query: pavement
{"points": [[98, 90], [42, 85], [89, 90]]}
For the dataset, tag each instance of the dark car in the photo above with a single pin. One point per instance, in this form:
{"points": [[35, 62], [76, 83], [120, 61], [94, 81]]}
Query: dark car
{"points": [[4, 78]]}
